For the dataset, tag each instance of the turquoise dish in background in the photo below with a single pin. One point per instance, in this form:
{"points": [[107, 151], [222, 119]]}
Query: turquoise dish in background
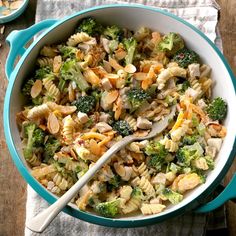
{"points": [[14, 13]]}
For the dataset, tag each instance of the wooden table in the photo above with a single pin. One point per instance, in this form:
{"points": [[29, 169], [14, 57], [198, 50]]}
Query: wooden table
{"points": [[13, 187]]}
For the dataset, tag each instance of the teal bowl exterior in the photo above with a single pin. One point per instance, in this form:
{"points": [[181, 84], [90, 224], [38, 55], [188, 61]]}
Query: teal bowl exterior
{"points": [[14, 14], [86, 216]]}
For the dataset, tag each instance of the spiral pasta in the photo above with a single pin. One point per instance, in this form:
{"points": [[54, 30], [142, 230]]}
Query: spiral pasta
{"points": [[78, 38], [149, 209], [52, 90], [68, 129]]}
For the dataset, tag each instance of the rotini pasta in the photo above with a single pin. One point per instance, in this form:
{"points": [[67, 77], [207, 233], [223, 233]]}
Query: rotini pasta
{"points": [[89, 92]]}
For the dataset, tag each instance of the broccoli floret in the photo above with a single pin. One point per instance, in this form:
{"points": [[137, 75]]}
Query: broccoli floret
{"points": [[85, 104], [188, 153], [172, 196], [157, 154], [113, 32], [136, 193], [130, 46], [35, 138], [51, 146], [70, 70], [171, 43], [68, 52], [90, 26], [217, 109], [137, 97], [185, 86], [26, 88], [108, 209], [189, 140], [42, 72], [185, 57], [122, 127], [210, 162], [114, 183]]}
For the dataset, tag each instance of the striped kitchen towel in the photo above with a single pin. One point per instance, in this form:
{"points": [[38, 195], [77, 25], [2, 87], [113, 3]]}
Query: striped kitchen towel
{"points": [[201, 13]]}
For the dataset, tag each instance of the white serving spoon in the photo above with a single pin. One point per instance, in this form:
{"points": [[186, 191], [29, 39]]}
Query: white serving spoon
{"points": [[40, 222]]}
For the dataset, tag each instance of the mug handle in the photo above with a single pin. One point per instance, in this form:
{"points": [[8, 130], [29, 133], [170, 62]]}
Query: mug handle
{"points": [[227, 194], [17, 40]]}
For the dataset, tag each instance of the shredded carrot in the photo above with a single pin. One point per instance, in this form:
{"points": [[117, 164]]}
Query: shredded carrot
{"points": [[146, 83], [199, 111], [179, 121]]}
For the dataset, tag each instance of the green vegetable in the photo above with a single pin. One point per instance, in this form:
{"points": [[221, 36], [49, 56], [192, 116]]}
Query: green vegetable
{"points": [[137, 97], [26, 88], [70, 70], [122, 127], [35, 138], [185, 85], [42, 72], [68, 52], [114, 183], [172, 196], [171, 43], [189, 140], [217, 109], [210, 162], [174, 168], [137, 193], [130, 45], [90, 26], [38, 100], [157, 153], [85, 104], [185, 57], [51, 146], [188, 153], [108, 209], [113, 32]]}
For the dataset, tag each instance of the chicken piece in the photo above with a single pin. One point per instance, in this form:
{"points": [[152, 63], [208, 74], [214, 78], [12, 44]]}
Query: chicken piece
{"points": [[143, 123], [215, 142], [211, 151], [83, 117], [106, 84], [104, 117], [194, 70], [103, 127]]}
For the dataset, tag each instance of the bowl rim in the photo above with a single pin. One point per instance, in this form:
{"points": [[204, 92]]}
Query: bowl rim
{"points": [[86, 216], [15, 13]]}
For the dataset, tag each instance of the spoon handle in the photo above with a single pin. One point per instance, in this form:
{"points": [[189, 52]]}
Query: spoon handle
{"points": [[40, 222]]}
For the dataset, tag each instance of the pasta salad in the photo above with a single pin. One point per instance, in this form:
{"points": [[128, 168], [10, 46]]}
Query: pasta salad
{"points": [[103, 84]]}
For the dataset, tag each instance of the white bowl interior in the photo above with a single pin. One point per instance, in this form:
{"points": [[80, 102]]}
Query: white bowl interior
{"points": [[133, 18]]}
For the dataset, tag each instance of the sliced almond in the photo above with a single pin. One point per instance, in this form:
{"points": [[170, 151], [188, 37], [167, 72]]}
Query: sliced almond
{"points": [[36, 88], [130, 68], [53, 124], [140, 76], [2, 29], [79, 55], [107, 66], [112, 96], [71, 93], [57, 62], [15, 5], [115, 64], [66, 110]]}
